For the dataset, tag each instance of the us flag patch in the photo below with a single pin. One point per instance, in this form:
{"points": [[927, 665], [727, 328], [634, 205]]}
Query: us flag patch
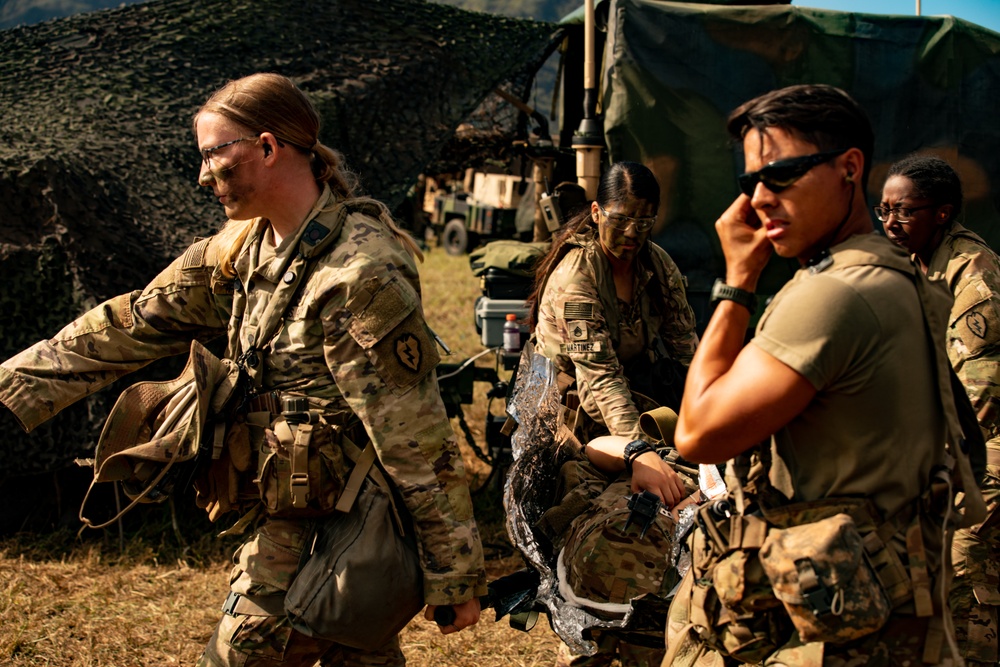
{"points": [[578, 310]]}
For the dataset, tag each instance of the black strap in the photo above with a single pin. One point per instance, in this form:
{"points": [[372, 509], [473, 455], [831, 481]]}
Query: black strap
{"points": [[973, 443]]}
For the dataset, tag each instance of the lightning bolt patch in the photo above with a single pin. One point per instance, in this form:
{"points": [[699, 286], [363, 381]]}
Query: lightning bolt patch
{"points": [[408, 351], [977, 324]]}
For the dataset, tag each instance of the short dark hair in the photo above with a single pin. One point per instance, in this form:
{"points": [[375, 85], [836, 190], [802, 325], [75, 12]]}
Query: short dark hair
{"points": [[933, 178], [823, 115]]}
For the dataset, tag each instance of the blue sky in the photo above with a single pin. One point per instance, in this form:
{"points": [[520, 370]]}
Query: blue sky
{"points": [[984, 12]]}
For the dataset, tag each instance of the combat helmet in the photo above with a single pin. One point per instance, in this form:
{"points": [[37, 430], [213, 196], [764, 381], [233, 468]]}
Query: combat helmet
{"points": [[608, 561], [156, 428]]}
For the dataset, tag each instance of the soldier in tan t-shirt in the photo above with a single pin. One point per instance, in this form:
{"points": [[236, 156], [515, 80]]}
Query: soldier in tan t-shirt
{"points": [[840, 384]]}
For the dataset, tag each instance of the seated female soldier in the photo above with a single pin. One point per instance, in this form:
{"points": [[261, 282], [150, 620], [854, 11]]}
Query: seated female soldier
{"points": [[609, 310]]}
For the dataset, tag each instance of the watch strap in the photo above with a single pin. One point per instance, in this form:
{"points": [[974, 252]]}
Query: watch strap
{"points": [[634, 450], [723, 292]]}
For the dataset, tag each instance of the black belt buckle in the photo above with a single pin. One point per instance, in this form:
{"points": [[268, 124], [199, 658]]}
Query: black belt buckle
{"points": [[229, 606]]}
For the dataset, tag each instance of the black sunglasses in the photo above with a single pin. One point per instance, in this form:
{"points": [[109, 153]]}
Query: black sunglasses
{"points": [[778, 175]]}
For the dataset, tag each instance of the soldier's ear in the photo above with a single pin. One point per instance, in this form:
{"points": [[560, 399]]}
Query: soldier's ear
{"points": [[944, 213]]}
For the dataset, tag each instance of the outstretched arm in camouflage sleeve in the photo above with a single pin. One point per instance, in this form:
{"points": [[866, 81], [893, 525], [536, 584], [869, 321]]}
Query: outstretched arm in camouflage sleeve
{"points": [[117, 337]]}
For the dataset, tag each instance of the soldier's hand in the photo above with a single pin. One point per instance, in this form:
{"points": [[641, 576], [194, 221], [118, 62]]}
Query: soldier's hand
{"points": [[466, 614], [744, 244], [651, 473]]}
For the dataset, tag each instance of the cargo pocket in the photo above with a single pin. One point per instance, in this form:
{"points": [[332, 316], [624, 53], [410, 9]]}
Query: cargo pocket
{"points": [[240, 639], [389, 325], [821, 575], [975, 323]]}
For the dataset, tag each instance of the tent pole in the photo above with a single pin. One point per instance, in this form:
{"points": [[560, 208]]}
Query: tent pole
{"points": [[588, 140]]}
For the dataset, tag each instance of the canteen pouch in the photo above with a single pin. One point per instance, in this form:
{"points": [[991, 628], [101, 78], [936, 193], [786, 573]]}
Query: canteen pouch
{"points": [[363, 582], [301, 469], [821, 575]]}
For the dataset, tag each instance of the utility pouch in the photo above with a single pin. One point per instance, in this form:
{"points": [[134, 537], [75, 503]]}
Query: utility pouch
{"points": [[220, 486], [362, 582], [822, 577], [301, 468], [730, 595]]}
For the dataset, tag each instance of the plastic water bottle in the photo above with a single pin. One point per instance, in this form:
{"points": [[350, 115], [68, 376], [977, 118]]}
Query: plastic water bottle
{"points": [[511, 334]]}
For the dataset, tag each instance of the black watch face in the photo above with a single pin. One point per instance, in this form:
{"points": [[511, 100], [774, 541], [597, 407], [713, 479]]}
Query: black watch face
{"points": [[636, 446]]}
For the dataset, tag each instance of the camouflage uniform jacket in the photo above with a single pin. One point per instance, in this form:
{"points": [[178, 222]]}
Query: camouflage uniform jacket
{"points": [[353, 340], [580, 323], [972, 272]]}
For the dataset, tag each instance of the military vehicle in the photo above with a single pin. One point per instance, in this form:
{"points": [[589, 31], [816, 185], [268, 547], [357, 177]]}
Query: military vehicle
{"points": [[483, 207]]}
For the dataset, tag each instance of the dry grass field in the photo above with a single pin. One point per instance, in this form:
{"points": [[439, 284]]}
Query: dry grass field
{"points": [[153, 600]]}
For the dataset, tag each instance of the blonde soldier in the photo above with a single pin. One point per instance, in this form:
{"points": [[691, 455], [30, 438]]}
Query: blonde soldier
{"points": [[609, 310], [847, 385], [921, 200], [353, 343]]}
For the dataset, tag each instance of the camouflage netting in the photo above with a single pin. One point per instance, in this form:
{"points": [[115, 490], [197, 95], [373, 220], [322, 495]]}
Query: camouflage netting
{"points": [[98, 163]]}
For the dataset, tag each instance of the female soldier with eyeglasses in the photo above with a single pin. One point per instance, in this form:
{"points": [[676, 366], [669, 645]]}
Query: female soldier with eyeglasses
{"points": [[921, 200], [352, 348], [609, 309]]}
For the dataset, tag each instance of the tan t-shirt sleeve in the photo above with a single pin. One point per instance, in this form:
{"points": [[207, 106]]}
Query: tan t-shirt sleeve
{"points": [[819, 327]]}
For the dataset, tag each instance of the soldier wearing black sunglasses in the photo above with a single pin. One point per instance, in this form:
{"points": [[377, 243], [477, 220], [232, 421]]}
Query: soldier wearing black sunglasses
{"points": [[840, 384]]}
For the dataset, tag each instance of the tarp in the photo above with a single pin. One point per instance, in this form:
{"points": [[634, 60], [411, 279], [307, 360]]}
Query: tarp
{"points": [[672, 72]]}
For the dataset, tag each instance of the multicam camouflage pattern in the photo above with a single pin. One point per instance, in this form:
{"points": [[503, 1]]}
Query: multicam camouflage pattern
{"points": [[265, 566], [819, 572], [582, 327], [605, 564], [972, 271], [371, 362], [609, 561]]}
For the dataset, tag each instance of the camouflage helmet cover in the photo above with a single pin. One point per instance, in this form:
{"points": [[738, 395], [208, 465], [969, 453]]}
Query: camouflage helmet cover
{"points": [[604, 565]]}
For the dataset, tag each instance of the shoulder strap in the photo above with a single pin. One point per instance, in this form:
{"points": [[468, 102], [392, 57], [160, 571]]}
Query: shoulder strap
{"points": [[365, 466], [965, 443], [317, 237]]}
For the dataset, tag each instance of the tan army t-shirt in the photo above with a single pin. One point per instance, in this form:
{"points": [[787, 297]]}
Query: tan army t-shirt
{"points": [[857, 333]]}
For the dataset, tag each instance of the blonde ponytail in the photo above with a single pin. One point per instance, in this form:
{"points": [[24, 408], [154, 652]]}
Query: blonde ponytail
{"points": [[230, 240]]}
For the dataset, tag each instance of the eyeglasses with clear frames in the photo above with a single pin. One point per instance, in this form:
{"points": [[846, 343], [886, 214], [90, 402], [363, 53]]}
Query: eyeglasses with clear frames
{"points": [[622, 222], [208, 153], [902, 213]]}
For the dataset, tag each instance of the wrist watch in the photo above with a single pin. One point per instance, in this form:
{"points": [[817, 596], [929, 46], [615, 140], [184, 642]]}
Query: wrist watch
{"points": [[722, 291], [635, 449]]}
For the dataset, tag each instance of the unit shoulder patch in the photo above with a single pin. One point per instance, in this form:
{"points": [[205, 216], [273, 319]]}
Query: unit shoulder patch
{"points": [[408, 351]]}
